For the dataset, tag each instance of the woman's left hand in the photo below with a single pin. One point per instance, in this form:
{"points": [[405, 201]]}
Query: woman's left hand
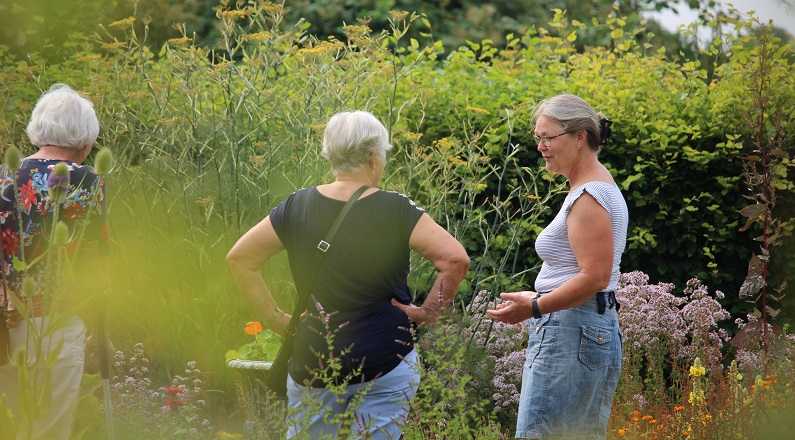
{"points": [[515, 307]]}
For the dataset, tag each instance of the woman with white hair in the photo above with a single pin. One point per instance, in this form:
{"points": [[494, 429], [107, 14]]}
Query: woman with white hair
{"points": [[64, 127], [574, 351], [360, 290]]}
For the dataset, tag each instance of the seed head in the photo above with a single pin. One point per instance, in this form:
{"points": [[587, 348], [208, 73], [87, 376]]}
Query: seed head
{"points": [[61, 234], [13, 158], [103, 162]]}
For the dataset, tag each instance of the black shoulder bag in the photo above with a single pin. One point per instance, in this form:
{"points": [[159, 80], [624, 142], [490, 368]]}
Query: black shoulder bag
{"points": [[276, 379]]}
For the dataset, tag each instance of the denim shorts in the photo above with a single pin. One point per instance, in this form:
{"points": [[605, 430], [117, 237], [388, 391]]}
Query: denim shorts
{"points": [[380, 406], [570, 374]]}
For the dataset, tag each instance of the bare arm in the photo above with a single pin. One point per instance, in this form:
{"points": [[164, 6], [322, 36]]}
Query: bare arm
{"points": [[245, 261], [591, 240], [450, 260]]}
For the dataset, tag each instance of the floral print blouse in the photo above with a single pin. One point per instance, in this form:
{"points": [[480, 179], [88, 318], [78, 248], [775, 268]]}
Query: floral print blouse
{"points": [[27, 210]]}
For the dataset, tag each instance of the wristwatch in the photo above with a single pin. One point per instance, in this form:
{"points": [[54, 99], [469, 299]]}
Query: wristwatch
{"points": [[534, 308]]}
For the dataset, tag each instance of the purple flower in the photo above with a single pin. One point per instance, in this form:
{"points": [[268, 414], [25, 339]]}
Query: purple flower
{"points": [[653, 319]]}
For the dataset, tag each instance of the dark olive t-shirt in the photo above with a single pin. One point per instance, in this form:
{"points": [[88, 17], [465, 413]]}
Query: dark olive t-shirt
{"points": [[366, 266]]}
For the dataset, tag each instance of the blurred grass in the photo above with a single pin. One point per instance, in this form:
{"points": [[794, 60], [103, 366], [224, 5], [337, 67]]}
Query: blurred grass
{"points": [[170, 288]]}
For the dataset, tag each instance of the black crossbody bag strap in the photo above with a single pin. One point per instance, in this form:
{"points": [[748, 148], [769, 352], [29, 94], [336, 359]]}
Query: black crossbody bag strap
{"points": [[278, 372]]}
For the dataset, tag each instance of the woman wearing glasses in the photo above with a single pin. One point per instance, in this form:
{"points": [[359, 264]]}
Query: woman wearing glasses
{"points": [[574, 351]]}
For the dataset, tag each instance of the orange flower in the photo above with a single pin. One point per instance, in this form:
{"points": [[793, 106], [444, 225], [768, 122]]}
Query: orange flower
{"points": [[679, 408], [621, 432], [647, 418], [635, 416], [253, 328], [770, 380]]}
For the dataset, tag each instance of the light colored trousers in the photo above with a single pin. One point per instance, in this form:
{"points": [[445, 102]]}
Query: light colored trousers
{"points": [[55, 422], [382, 405]]}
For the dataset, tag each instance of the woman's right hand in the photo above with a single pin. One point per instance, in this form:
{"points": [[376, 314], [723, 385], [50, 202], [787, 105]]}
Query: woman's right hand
{"points": [[278, 322], [419, 315]]}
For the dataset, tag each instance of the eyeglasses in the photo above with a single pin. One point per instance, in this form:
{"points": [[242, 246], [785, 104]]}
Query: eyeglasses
{"points": [[546, 139]]}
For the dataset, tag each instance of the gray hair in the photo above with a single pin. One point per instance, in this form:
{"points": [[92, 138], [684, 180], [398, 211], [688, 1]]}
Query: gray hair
{"points": [[351, 138], [64, 118], [574, 114]]}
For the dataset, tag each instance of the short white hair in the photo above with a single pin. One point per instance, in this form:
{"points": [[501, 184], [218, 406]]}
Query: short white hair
{"points": [[574, 114], [63, 118], [351, 138]]}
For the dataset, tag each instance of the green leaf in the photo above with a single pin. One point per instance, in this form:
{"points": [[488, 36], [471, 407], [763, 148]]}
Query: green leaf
{"points": [[572, 37], [629, 180], [231, 354], [19, 265], [752, 212]]}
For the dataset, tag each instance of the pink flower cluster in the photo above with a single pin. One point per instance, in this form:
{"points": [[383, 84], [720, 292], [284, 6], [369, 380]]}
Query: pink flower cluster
{"points": [[748, 343], [653, 318], [505, 345]]}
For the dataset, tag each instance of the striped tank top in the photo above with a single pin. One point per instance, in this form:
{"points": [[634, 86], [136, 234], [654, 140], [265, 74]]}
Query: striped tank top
{"points": [[552, 244]]}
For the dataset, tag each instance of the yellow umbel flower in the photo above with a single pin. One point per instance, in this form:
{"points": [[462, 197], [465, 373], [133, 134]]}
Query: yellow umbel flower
{"points": [[697, 370], [123, 23]]}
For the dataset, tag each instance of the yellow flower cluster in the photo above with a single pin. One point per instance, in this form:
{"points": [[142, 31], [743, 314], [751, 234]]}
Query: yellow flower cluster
{"points": [[123, 23], [456, 161], [356, 31], [271, 8], [398, 15], [112, 45], [235, 14], [220, 67], [696, 397], [258, 36], [444, 144], [321, 48], [90, 57], [257, 160], [697, 371], [181, 41], [411, 136]]}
